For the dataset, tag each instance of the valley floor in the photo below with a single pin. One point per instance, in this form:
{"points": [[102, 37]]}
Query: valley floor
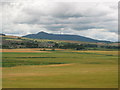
{"points": [[59, 69]]}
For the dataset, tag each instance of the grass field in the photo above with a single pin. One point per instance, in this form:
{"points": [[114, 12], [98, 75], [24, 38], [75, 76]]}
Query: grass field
{"points": [[59, 69]]}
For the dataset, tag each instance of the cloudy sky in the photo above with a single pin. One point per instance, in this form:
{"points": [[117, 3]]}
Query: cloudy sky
{"points": [[97, 20]]}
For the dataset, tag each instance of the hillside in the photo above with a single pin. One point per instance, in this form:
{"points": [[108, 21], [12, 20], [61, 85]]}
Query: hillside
{"points": [[23, 42], [44, 35]]}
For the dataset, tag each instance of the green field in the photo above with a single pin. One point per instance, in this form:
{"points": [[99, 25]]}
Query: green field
{"points": [[60, 69]]}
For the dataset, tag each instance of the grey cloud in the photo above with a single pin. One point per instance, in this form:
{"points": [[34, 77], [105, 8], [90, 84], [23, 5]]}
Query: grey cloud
{"points": [[55, 27], [54, 16]]}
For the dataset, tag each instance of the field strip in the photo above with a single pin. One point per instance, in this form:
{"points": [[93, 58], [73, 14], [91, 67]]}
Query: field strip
{"points": [[27, 74], [99, 52], [34, 66], [21, 50], [56, 65], [19, 74]]}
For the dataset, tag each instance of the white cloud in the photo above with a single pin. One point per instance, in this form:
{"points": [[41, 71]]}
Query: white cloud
{"points": [[22, 18], [100, 34]]}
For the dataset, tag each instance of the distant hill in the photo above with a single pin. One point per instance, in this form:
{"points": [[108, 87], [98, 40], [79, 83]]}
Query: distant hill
{"points": [[44, 35], [1, 34]]}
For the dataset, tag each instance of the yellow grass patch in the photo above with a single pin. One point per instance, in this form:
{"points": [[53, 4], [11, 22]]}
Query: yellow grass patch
{"points": [[21, 50], [54, 65], [26, 74], [27, 50], [36, 71]]}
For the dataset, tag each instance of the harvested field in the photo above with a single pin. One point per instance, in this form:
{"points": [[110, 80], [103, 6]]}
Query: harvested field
{"points": [[23, 50]]}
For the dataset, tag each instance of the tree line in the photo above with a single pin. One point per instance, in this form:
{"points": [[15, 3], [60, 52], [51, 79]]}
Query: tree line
{"points": [[7, 44]]}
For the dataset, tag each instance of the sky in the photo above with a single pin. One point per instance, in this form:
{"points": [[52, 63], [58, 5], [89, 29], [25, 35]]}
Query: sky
{"points": [[97, 20]]}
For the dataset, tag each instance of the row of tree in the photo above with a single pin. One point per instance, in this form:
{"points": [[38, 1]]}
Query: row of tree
{"points": [[83, 46], [37, 44]]}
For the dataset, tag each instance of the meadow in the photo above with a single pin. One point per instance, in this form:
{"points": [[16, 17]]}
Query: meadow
{"points": [[33, 68]]}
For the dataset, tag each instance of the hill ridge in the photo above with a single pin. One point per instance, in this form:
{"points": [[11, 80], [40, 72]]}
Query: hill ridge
{"points": [[50, 36]]}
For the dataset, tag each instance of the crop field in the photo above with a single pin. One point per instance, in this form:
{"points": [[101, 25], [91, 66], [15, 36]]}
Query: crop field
{"points": [[34, 68]]}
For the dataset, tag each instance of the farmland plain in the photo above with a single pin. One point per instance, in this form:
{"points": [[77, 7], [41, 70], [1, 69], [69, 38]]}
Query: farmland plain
{"points": [[34, 68]]}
